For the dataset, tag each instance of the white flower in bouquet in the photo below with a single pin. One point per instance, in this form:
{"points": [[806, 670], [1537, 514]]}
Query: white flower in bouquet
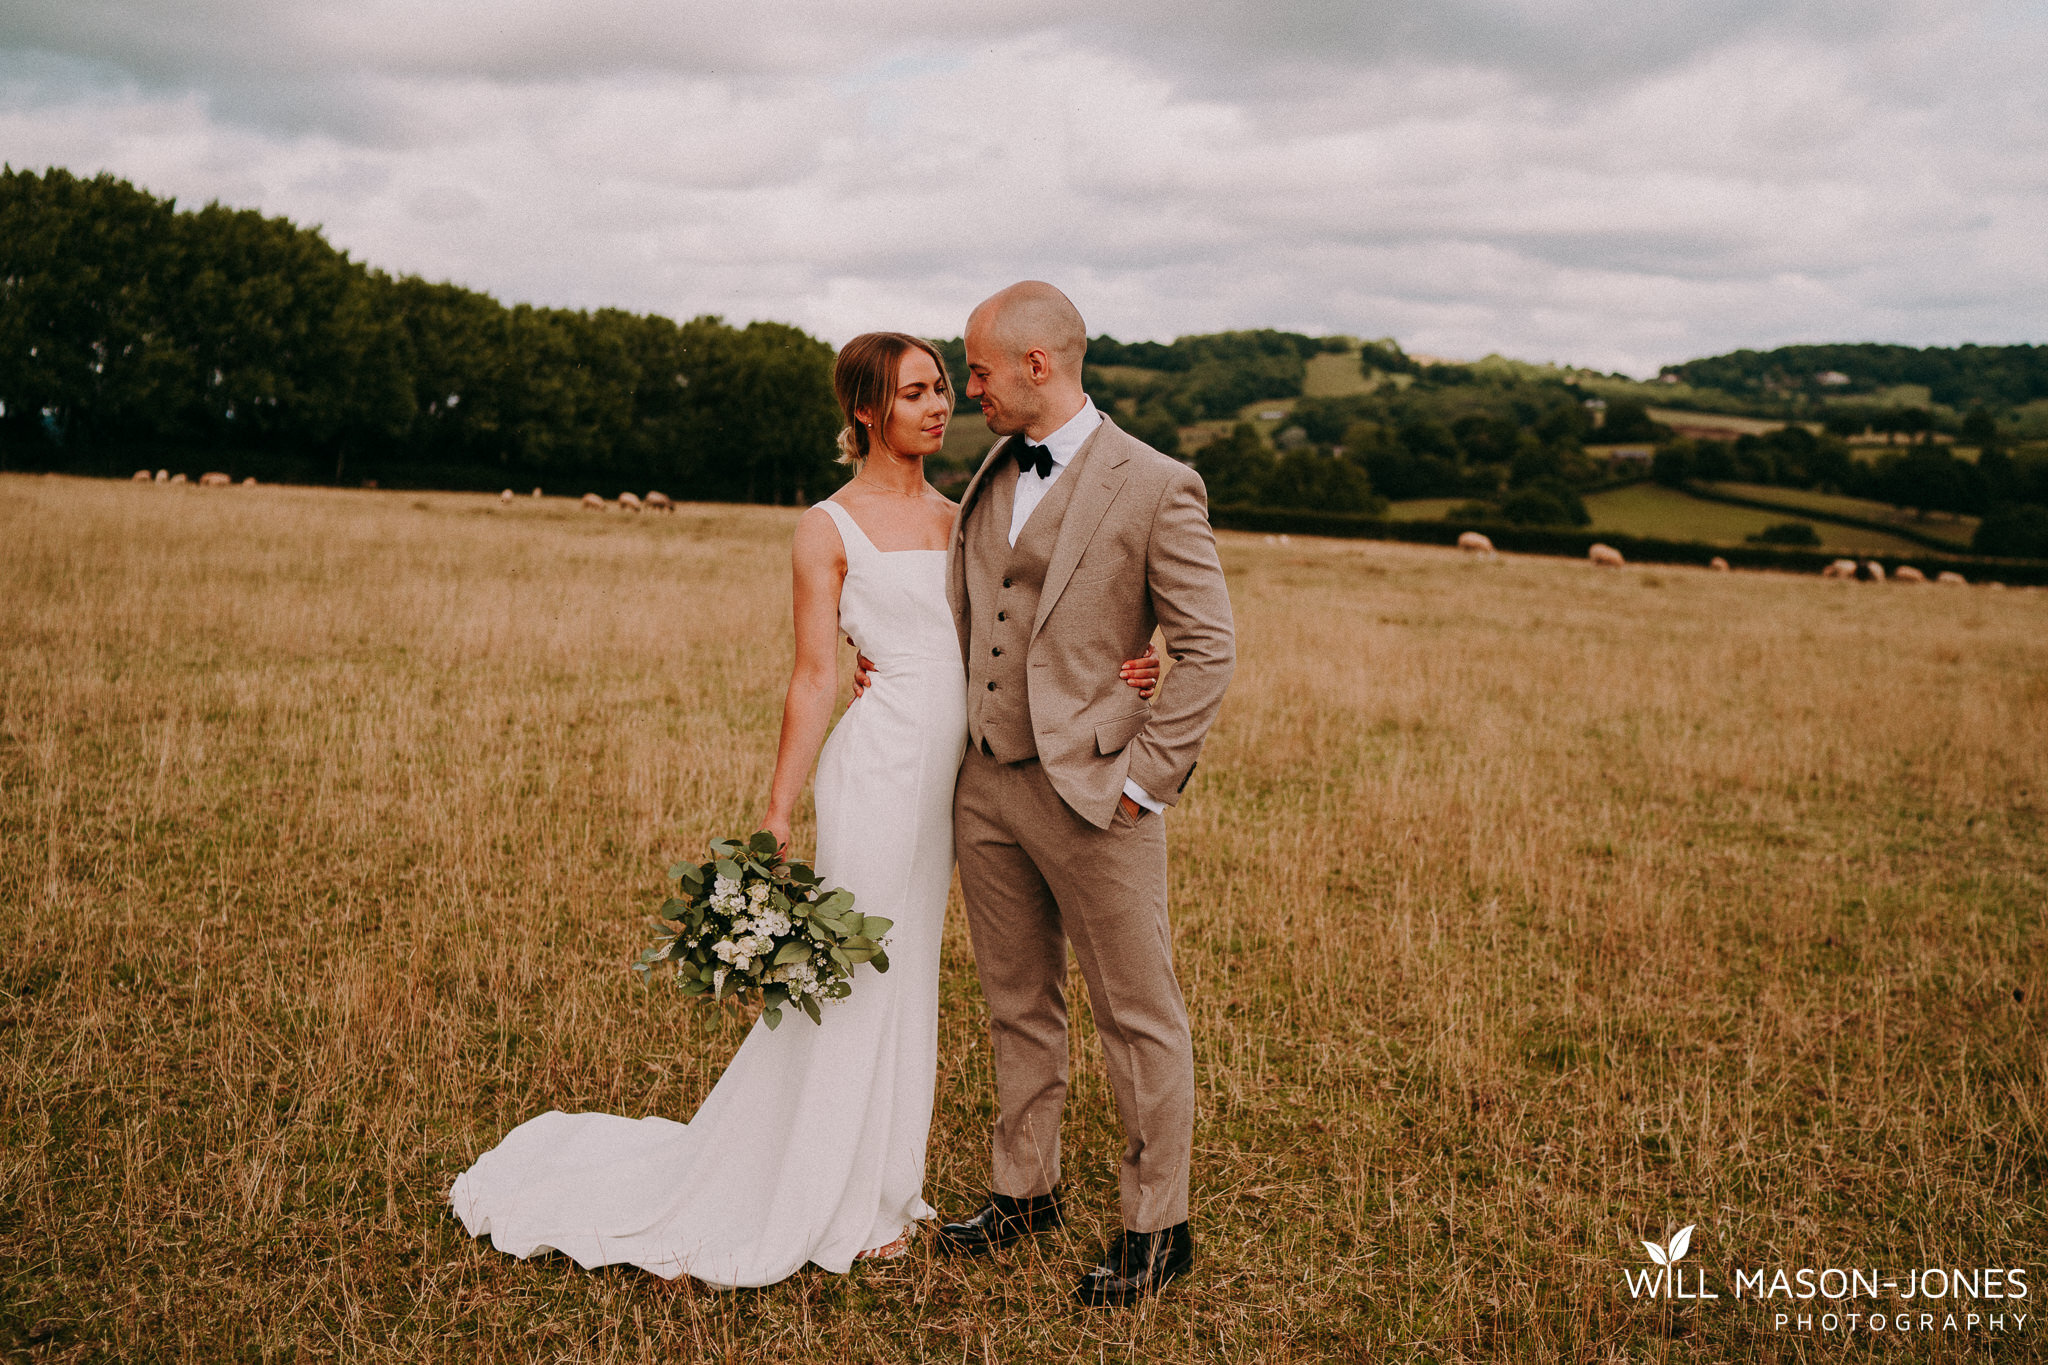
{"points": [[748, 926]]}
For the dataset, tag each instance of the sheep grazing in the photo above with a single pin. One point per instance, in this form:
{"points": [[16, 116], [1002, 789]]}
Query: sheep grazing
{"points": [[629, 501], [595, 503], [178, 478], [1718, 564], [1605, 557], [249, 482], [163, 476], [1473, 543], [213, 478], [536, 492], [657, 501], [1906, 573], [505, 496], [1841, 568], [140, 476], [1951, 576], [1873, 571]]}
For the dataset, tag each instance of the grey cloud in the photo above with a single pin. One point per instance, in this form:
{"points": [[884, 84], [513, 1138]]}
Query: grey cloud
{"points": [[1567, 179]]}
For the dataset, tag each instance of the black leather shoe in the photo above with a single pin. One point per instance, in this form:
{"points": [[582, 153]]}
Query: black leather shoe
{"points": [[1137, 1264], [1002, 1220]]}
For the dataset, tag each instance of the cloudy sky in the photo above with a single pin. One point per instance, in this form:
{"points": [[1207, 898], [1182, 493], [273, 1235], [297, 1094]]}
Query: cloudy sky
{"points": [[1599, 182]]}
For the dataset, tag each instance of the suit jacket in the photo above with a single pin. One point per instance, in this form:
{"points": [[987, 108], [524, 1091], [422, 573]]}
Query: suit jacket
{"points": [[1134, 551]]}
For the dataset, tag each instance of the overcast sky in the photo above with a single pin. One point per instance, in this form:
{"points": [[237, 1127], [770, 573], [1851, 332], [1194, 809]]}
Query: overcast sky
{"points": [[1597, 182]]}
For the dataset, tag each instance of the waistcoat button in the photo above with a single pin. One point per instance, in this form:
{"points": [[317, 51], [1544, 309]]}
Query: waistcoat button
{"points": [[997, 651], [1002, 616], [991, 687], [1006, 582]]}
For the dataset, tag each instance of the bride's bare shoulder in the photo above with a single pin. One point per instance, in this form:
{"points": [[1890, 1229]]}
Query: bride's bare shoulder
{"points": [[817, 538]]}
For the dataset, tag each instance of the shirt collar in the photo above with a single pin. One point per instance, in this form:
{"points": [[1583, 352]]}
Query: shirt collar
{"points": [[1067, 441]]}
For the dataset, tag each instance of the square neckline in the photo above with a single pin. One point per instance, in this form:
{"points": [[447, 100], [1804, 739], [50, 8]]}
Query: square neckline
{"points": [[842, 510]]}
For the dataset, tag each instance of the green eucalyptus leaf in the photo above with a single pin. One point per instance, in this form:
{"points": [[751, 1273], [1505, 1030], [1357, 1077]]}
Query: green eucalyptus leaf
{"points": [[792, 952], [876, 926], [764, 843], [727, 868], [880, 960], [772, 1017], [674, 908], [811, 1008]]}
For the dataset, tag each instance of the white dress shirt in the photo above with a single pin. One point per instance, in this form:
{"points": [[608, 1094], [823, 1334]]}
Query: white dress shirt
{"points": [[1064, 445]]}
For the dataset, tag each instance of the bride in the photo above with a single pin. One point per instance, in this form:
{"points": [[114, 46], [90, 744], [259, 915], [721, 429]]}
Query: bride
{"points": [[811, 1147]]}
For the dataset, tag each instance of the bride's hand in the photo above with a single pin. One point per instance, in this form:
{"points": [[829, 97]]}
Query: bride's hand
{"points": [[862, 667], [1142, 672], [780, 829]]}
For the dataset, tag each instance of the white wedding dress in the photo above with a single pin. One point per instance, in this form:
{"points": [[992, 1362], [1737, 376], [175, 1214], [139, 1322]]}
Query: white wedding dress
{"points": [[811, 1147]]}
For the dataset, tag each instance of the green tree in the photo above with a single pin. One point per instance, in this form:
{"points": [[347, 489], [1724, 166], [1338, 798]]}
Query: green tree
{"points": [[1305, 477], [1236, 467], [2019, 531]]}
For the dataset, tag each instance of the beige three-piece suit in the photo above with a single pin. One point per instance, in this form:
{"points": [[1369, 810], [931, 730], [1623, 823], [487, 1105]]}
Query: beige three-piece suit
{"points": [[1120, 544]]}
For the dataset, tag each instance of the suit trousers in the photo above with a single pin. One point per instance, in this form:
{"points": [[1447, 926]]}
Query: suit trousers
{"points": [[1036, 877]]}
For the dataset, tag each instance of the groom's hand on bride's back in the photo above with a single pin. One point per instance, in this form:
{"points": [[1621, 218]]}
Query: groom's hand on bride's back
{"points": [[1141, 672]]}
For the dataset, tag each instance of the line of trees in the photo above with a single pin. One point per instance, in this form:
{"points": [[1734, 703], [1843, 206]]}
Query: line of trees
{"points": [[136, 333], [1512, 449], [1956, 376]]}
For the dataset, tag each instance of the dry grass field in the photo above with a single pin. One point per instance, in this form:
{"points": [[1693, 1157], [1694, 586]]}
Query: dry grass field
{"points": [[1525, 911]]}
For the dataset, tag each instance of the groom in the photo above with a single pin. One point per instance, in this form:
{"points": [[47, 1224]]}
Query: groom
{"points": [[1073, 542]]}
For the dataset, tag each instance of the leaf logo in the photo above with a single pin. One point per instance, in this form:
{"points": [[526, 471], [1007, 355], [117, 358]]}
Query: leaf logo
{"points": [[1678, 1247]]}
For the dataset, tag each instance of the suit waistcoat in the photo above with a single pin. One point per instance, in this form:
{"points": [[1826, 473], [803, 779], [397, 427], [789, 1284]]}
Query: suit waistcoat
{"points": [[1002, 607]]}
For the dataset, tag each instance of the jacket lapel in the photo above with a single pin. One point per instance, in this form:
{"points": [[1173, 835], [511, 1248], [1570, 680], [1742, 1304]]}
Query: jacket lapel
{"points": [[1095, 466]]}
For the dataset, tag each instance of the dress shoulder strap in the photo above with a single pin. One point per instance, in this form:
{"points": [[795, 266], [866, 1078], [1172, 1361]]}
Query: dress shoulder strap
{"points": [[849, 529]]}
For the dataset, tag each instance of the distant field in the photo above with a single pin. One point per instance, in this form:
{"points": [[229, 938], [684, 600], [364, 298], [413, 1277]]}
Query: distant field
{"points": [[1666, 513], [1124, 373], [1336, 374], [1648, 509], [1946, 525], [967, 439], [1717, 421], [1422, 509]]}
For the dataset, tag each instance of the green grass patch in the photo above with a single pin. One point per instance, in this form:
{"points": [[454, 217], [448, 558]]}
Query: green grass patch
{"points": [[1649, 509]]}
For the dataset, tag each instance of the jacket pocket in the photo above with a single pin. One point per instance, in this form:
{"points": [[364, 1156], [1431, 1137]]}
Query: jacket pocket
{"points": [[1112, 735]]}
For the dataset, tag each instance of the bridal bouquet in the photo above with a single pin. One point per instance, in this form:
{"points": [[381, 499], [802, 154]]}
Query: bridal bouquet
{"points": [[748, 925]]}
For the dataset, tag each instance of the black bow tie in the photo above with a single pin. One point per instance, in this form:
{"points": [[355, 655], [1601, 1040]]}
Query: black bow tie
{"points": [[1031, 457]]}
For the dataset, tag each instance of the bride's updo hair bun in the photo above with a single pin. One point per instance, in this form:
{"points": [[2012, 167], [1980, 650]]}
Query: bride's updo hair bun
{"points": [[864, 380]]}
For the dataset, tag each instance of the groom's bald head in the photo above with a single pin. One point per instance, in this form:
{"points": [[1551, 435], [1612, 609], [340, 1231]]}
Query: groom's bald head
{"points": [[1032, 315], [1025, 345]]}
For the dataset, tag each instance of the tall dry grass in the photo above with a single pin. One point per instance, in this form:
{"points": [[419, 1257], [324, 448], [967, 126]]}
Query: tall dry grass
{"points": [[1523, 911]]}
